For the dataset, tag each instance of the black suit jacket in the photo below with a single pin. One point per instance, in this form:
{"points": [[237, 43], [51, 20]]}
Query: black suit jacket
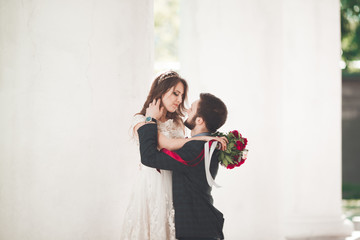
{"points": [[195, 215]]}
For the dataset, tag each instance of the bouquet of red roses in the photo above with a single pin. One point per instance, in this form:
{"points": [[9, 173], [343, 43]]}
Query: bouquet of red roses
{"points": [[235, 154]]}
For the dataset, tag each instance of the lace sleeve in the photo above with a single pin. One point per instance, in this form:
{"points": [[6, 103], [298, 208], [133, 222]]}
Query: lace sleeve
{"points": [[138, 118]]}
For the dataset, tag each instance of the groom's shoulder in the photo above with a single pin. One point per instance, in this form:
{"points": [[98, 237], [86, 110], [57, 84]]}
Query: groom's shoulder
{"points": [[191, 150], [195, 144]]}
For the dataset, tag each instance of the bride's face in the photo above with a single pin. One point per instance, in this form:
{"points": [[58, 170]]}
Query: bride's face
{"points": [[173, 97]]}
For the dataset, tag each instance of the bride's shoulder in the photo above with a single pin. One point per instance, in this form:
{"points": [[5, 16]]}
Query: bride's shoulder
{"points": [[138, 118], [180, 125], [136, 123]]}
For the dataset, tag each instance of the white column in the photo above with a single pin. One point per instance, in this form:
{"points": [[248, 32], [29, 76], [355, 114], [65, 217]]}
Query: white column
{"points": [[311, 123], [275, 64], [72, 75]]}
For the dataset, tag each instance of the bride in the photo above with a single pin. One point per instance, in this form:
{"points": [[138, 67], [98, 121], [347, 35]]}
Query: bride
{"points": [[150, 213]]}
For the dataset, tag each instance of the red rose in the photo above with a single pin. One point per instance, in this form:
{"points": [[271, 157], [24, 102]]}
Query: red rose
{"points": [[239, 145], [236, 133], [245, 142], [242, 147], [240, 163], [230, 166]]}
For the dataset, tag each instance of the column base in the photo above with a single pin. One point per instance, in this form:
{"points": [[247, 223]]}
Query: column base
{"points": [[300, 228]]}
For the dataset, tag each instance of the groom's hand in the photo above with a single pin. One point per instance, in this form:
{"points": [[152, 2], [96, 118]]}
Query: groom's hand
{"points": [[154, 110]]}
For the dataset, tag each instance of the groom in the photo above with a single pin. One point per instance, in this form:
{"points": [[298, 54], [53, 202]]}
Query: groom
{"points": [[195, 216]]}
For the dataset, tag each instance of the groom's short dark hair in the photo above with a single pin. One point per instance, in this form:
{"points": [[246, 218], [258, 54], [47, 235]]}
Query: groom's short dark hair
{"points": [[212, 110]]}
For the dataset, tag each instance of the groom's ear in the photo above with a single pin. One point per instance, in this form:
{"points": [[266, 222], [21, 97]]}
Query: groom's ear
{"points": [[199, 120]]}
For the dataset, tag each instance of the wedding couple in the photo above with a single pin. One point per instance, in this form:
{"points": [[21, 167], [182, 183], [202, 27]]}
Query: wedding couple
{"points": [[172, 198]]}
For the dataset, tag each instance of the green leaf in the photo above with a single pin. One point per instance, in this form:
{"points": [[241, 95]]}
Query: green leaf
{"points": [[228, 150], [221, 155], [229, 159]]}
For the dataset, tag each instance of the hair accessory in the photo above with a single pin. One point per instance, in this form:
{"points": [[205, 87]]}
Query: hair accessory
{"points": [[167, 74]]}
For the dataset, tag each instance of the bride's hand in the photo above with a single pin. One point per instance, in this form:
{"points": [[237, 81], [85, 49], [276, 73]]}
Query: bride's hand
{"points": [[154, 110], [222, 140]]}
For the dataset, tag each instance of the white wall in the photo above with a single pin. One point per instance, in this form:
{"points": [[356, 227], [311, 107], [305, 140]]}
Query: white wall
{"points": [[72, 74], [276, 66]]}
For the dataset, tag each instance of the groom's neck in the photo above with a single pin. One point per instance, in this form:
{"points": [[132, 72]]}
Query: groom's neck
{"points": [[198, 130]]}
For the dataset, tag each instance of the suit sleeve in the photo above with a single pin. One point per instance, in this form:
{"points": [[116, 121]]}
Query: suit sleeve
{"points": [[151, 157]]}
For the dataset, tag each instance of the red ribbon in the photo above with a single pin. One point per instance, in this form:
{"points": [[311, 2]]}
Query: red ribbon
{"points": [[191, 163]]}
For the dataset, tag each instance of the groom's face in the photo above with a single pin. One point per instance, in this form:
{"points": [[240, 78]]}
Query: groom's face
{"points": [[190, 122]]}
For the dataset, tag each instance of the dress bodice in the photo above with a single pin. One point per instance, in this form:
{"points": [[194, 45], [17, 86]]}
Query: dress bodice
{"points": [[169, 128]]}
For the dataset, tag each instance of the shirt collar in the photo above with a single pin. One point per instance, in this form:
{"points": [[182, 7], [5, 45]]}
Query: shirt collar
{"points": [[202, 134]]}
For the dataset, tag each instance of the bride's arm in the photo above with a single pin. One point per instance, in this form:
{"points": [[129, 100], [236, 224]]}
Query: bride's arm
{"points": [[136, 127], [163, 141], [177, 143], [171, 143]]}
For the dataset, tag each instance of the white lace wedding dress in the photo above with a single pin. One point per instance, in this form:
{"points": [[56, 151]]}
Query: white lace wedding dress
{"points": [[150, 213]]}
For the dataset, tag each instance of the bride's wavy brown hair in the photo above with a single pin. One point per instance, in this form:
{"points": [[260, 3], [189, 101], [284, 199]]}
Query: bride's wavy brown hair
{"points": [[160, 86]]}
